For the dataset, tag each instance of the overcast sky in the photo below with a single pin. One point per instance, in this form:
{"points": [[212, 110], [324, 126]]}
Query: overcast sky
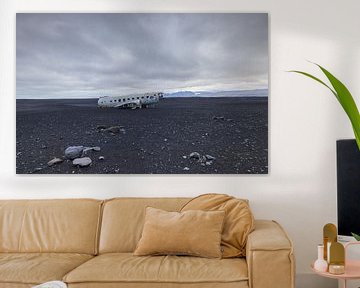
{"points": [[91, 55]]}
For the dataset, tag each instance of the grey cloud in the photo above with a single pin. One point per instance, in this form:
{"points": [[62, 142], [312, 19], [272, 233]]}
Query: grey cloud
{"points": [[88, 55]]}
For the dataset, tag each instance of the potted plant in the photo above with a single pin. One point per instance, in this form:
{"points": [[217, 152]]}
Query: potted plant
{"points": [[347, 102]]}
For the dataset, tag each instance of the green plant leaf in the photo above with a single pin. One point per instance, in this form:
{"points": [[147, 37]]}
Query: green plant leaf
{"points": [[316, 79], [347, 102], [344, 97], [356, 236]]}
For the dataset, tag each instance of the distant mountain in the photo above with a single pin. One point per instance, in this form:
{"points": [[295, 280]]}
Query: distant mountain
{"points": [[232, 93], [181, 94]]}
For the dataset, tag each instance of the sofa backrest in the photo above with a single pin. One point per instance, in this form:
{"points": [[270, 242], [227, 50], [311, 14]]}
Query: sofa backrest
{"points": [[67, 226], [123, 220]]}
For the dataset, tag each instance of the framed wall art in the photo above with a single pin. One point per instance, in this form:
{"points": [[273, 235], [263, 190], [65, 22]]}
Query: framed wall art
{"points": [[142, 93]]}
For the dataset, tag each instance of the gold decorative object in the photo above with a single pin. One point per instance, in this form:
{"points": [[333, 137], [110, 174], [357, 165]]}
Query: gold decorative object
{"points": [[336, 269], [330, 236], [337, 253], [337, 258]]}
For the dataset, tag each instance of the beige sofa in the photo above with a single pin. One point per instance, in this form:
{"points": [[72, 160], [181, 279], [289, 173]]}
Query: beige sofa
{"points": [[89, 243]]}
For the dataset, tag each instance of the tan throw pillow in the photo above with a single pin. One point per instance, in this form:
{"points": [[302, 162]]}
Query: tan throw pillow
{"points": [[239, 220], [196, 233]]}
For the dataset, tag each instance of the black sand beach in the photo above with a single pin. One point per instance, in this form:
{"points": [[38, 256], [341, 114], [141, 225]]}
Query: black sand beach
{"points": [[156, 140]]}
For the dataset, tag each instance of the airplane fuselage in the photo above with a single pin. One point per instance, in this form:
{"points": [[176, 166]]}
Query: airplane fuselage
{"points": [[130, 101]]}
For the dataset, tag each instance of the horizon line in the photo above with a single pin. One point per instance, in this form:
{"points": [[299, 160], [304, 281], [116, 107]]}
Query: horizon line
{"points": [[164, 97]]}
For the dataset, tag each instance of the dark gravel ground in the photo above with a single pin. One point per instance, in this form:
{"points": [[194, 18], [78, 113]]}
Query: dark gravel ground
{"points": [[156, 140]]}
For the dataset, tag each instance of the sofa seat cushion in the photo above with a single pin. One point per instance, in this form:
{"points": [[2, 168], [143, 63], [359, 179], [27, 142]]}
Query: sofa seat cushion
{"points": [[125, 267], [36, 268]]}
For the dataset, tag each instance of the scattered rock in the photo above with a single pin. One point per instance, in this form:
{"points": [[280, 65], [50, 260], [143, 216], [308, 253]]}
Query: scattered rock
{"points": [[101, 158], [87, 149], [222, 118], [209, 157], [101, 127], [43, 147], [195, 155], [186, 169], [82, 162], [218, 118], [112, 129], [202, 159], [55, 161], [73, 152], [184, 156]]}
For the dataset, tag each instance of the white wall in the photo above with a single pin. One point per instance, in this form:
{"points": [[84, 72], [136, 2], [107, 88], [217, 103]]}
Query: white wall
{"points": [[305, 120]]}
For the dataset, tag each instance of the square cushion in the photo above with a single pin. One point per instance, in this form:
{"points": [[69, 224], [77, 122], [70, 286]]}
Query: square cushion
{"points": [[36, 268], [157, 270], [193, 232]]}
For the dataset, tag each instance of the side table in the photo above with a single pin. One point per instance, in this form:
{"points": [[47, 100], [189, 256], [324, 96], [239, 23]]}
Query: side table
{"points": [[352, 268]]}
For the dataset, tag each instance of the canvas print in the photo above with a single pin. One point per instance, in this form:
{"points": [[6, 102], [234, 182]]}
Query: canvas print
{"points": [[142, 93]]}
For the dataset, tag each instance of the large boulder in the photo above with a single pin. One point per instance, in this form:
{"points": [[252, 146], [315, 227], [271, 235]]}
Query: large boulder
{"points": [[82, 162], [73, 152]]}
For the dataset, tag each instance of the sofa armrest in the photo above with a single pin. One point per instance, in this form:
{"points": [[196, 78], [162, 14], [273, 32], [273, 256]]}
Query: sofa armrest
{"points": [[269, 256]]}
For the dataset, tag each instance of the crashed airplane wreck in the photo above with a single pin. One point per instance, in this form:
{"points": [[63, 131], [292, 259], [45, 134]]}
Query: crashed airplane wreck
{"points": [[130, 101]]}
